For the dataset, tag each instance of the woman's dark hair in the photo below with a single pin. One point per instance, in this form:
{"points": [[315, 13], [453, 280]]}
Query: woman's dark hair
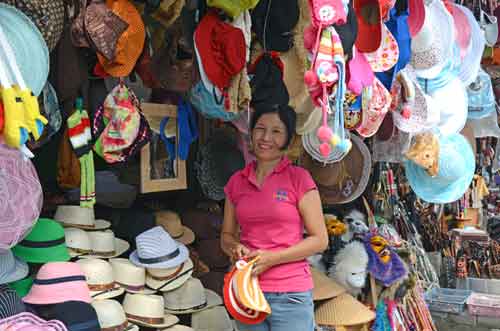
{"points": [[286, 114]]}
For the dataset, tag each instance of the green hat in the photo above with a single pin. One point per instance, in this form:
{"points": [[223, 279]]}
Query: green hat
{"points": [[45, 243], [22, 287]]}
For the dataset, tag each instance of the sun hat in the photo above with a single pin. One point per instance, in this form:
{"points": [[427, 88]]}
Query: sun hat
{"points": [[29, 47], [369, 16], [45, 243], [157, 249], [172, 223], [75, 315], [481, 99], [324, 286], [311, 145], [30, 322], [129, 276], [79, 217], [112, 316], [10, 302], [22, 286], [343, 310], [463, 36], [100, 279], [105, 245], [451, 100], [189, 298], [416, 16], [168, 279], [11, 268], [179, 327], [456, 170], [77, 241], [147, 310], [387, 55], [21, 196], [213, 319], [376, 103], [57, 282]]}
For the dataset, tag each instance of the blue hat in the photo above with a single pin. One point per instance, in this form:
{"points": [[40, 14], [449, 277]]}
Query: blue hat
{"points": [[28, 45], [11, 267], [456, 170], [481, 98]]}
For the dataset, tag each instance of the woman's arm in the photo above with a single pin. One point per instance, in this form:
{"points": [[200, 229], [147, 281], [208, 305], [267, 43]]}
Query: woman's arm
{"points": [[316, 241], [229, 236]]}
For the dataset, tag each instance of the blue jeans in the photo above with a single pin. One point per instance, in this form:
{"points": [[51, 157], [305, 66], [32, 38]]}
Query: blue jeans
{"points": [[290, 311]]}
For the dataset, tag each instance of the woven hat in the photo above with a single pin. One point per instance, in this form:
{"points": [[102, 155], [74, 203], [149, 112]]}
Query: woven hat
{"points": [[30, 322], [45, 243], [213, 319], [168, 279], [343, 310], [22, 286], [112, 316], [172, 223], [21, 196], [28, 45], [147, 310], [191, 297], [105, 245], [79, 217], [11, 268], [76, 315], [100, 279], [324, 286], [129, 276], [311, 144], [58, 282], [10, 303], [77, 241], [157, 249], [131, 42]]}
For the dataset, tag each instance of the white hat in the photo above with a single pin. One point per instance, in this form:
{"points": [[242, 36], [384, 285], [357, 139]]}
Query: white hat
{"points": [[79, 217], [129, 276], [157, 249], [170, 278], [77, 241], [100, 280], [214, 319], [147, 310], [111, 316], [190, 297], [452, 102], [94, 244]]}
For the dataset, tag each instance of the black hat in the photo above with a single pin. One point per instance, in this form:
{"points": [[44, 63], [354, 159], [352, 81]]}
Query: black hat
{"points": [[268, 87], [76, 315], [348, 31]]}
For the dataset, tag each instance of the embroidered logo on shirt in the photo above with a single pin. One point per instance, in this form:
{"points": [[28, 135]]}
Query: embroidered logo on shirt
{"points": [[281, 195]]}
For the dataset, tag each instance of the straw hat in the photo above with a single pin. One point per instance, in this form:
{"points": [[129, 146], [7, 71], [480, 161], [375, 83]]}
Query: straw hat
{"points": [[131, 277], [311, 145], [190, 298], [171, 222], [170, 278], [324, 286], [100, 279], [308, 122], [112, 316], [147, 310], [95, 244], [79, 217], [213, 319], [343, 310]]}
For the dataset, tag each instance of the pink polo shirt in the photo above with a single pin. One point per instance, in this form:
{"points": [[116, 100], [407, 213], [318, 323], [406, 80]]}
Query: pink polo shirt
{"points": [[269, 219]]}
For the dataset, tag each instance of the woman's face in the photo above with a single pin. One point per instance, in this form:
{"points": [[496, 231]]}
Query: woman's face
{"points": [[268, 137]]}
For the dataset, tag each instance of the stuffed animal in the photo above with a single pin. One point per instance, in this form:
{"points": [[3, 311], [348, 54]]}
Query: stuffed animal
{"points": [[425, 152], [350, 267], [356, 223]]}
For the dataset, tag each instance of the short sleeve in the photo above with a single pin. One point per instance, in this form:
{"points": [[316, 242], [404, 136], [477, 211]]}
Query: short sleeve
{"points": [[303, 182], [229, 188]]}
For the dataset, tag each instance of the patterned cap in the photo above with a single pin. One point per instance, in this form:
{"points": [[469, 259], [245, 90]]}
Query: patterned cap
{"points": [[10, 302]]}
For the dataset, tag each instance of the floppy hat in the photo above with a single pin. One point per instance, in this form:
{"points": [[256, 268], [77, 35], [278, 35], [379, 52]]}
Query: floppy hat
{"points": [[57, 282], [481, 99], [324, 286], [343, 310], [376, 103], [79, 217], [463, 37], [171, 222], [370, 15], [156, 249], [456, 170], [30, 49], [22, 286], [76, 315], [105, 245], [100, 279], [213, 319], [11, 268], [190, 297], [451, 100], [386, 56], [10, 302], [129, 276], [311, 144], [30, 322], [45, 243], [112, 316], [168, 279], [147, 310]]}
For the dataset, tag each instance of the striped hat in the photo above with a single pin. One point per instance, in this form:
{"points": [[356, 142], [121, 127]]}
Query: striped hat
{"points": [[10, 302], [28, 321]]}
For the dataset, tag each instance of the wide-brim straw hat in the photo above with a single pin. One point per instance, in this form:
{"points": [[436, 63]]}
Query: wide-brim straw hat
{"points": [[324, 286], [343, 310], [121, 246], [307, 122], [179, 276], [135, 304], [311, 144], [79, 217], [172, 223], [191, 288]]}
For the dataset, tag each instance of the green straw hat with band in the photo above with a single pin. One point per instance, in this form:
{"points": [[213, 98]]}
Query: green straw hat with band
{"points": [[22, 287], [45, 243]]}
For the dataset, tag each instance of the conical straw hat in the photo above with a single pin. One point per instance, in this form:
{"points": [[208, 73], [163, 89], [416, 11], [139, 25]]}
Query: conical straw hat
{"points": [[324, 286], [343, 310]]}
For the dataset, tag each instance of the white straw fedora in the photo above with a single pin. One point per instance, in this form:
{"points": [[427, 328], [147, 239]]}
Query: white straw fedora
{"points": [[100, 280], [79, 217], [169, 279], [190, 297], [129, 276], [157, 249], [77, 241], [213, 319], [112, 316], [94, 244], [172, 223], [147, 310]]}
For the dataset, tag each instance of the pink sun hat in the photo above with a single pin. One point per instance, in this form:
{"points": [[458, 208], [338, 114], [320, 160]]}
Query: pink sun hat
{"points": [[57, 282], [416, 17], [376, 103], [463, 31], [30, 322]]}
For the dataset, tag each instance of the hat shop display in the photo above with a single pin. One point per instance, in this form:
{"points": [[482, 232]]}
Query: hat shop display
{"points": [[392, 108]]}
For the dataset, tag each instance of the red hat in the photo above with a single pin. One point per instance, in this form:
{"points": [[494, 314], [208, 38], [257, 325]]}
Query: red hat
{"points": [[416, 16], [370, 14], [222, 49]]}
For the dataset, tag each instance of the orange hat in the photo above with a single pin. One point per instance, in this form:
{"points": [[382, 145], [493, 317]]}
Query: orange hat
{"points": [[131, 42], [370, 14]]}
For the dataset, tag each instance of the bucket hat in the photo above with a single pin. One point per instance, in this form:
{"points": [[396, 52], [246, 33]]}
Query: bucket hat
{"points": [[456, 170], [480, 96], [45, 243], [76, 315], [148, 311], [11, 268], [57, 282], [172, 223], [343, 310], [324, 286], [10, 302], [28, 321], [129, 276], [190, 298], [112, 316], [28, 45], [157, 249], [22, 286], [21, 196], [165, 280], [79, 217], [213, 319], [100, 279]]}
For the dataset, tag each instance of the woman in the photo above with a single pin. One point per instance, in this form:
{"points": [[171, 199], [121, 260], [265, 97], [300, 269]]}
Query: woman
{"points": [[271, 202]]}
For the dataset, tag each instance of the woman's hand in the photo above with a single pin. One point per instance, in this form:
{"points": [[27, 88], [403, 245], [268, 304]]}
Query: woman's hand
{"points": [[238, 252], [267, 259]]}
